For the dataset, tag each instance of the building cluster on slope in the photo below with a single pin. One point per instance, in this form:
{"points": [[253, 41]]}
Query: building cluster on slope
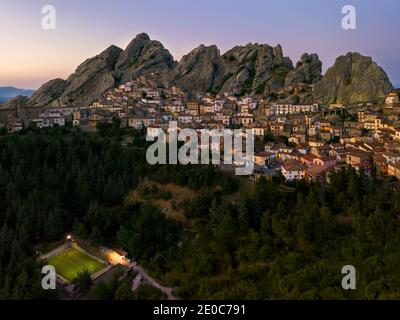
{"points": [[313, 139]]}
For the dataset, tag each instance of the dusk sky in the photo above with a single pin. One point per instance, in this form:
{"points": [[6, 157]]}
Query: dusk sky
{"points": [[30, 55]]}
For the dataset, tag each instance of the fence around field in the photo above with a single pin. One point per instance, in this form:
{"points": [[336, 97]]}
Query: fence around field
{"points": [[56, 251], [68, 245], [65, 247], [99, 273]]}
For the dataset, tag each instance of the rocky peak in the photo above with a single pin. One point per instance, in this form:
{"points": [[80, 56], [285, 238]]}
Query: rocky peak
{"points": [[250, 69], [308, 70], [278, 52], [142, 36], [195, 72], [201, 52], [98, 74], [92, 78], [353, 79], [105, 60], [48, 92], [253, 68], [133, 51], [144, 56]]}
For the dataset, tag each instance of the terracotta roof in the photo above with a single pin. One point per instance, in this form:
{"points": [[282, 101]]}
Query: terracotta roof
{"points": [[309, 157], [316, 170], [293, 165]]}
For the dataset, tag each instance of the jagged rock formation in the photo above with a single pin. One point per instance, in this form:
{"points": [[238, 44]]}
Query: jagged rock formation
{"points": [[113, 66], [248, 69], [90, 80], [251, 69], [353, 79], [48, 92], [142, 57], [308, 70], [254, 68], [196, 70]]}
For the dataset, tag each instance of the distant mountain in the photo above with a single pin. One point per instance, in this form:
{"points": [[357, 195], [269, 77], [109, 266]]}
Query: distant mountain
{"points": [[13, 103], [7, 93], [251, 69]]}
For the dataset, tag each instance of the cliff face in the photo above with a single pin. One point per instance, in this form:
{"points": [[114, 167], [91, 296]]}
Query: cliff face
{"points": [[142, 57], [248, 69], [90, 80], [98, 74], [48, 93], [196, 70], [308, 71], [251, 69], [352, 79]]}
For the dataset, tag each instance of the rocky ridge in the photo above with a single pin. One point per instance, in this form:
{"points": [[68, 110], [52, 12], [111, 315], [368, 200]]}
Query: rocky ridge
{"points": [[251, 69]]}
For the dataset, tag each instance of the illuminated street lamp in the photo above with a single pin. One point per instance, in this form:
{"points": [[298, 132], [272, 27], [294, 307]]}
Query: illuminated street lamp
{"points": [[69, 237]]}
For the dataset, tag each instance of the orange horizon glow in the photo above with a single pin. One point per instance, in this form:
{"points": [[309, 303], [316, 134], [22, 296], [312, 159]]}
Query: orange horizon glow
{"points": [[31, 56]]}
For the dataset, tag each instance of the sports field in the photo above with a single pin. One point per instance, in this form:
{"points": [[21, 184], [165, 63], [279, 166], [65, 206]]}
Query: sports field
{"points": [[70, 263]]}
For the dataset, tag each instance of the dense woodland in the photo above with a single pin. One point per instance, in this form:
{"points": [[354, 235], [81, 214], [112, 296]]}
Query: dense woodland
{"points": [[264, 240]]}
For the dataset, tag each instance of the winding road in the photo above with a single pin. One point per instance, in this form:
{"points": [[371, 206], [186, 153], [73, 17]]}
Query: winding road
{"points": [[115, 259], [140, 270]]}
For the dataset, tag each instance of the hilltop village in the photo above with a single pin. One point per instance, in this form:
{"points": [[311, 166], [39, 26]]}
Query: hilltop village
{"points": [[299, 141]]}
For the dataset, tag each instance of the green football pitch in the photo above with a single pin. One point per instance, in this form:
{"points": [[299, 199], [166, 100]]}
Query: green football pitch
{"points": [[70, 263]]}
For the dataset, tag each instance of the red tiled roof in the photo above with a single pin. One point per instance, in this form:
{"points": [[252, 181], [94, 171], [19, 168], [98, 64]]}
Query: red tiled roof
{"points": [[293, 165], [309, 157]]}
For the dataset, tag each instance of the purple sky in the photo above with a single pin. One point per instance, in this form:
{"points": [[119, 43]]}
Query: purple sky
{"points": [[30, 56]]}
